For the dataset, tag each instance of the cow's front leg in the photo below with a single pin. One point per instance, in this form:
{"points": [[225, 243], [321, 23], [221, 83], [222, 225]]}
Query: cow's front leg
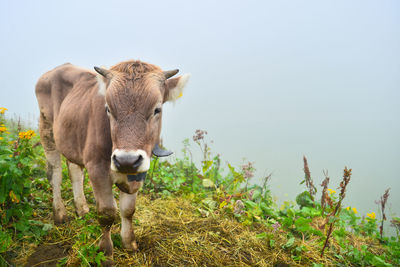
{"points": [[106, 208], [127, 203]]}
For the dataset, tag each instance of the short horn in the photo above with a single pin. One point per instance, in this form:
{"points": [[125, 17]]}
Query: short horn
{"points": [[169, 73], [103, 72], [159, 152]]}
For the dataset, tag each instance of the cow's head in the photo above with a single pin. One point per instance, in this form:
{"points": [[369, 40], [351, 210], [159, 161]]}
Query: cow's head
{"points": [[134, 94]]}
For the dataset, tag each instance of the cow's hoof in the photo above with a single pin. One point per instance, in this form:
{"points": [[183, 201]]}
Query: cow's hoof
{"points": [[129, 242], [131, 246], [81, 211], [134, 246], [60, 214], [60, 218], [107, 263], [106, 246]]}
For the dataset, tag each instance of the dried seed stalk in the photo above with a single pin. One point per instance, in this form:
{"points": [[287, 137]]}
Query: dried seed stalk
{"points": [[325, 196], [382, 203], [309, 182], [343, 185]]}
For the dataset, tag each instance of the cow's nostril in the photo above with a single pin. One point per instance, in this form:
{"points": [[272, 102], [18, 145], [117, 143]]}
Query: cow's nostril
{"points": [[138, 161], [116, 162]]}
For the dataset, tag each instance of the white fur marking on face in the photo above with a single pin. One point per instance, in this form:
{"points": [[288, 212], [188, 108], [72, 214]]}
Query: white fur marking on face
{"points": [[144, 167], [102, 85], [118, 178], [176, 92]]}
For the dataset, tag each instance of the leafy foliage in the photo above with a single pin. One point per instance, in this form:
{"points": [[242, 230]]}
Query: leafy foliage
{"points": [[20, 166]]}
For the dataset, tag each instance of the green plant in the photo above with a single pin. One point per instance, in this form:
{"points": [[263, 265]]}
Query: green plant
{"points": [[18, 168], [85, 247]]}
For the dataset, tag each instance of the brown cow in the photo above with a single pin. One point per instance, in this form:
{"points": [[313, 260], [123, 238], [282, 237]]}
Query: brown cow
{"points": [[108, 122]]}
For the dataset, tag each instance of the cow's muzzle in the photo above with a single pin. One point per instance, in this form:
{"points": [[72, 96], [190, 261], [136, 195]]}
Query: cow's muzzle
{"points": [[130, 162], [127, 163]]}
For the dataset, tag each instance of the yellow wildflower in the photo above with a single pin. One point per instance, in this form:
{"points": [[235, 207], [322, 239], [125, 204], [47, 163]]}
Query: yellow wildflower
{"points": [[355, 210], [26, 135], [348, 208], [13, 197], [223, 204], [3, 128], [331, 191], [2, 110], [371, 215]]}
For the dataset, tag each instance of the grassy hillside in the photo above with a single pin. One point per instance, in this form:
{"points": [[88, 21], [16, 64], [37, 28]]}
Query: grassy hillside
{"points": [[186, 216]]}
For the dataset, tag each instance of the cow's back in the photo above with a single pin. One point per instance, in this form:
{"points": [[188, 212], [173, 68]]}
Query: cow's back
{"points": [[53, 86], [67, 97]]}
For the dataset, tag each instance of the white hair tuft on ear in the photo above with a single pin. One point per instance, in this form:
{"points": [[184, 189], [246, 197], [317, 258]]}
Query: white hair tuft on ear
{"points": [[176, 92], [102, 84]]}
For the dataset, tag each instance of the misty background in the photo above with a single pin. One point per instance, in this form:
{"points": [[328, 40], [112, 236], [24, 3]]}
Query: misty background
{"points": [[271, 80]]}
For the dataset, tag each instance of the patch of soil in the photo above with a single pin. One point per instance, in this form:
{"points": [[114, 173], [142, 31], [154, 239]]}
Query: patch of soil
{"points": [[48, 255]]}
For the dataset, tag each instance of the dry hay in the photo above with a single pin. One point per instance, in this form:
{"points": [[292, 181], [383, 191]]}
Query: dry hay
{"points": [[171, 232]]}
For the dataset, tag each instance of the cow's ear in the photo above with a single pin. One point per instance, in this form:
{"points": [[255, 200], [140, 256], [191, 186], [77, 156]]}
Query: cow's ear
{"points": [[104, 77], [174, 87]]}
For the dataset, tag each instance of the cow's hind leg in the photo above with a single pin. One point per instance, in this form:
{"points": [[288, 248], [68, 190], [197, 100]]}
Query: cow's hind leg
{"points": [[127, 203], [54, 174], [77, 179], [106, 206], [54, 169]]}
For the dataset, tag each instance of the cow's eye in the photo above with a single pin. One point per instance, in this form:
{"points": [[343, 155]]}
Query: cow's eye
{"points": [[107, 110], [157, 110]]}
